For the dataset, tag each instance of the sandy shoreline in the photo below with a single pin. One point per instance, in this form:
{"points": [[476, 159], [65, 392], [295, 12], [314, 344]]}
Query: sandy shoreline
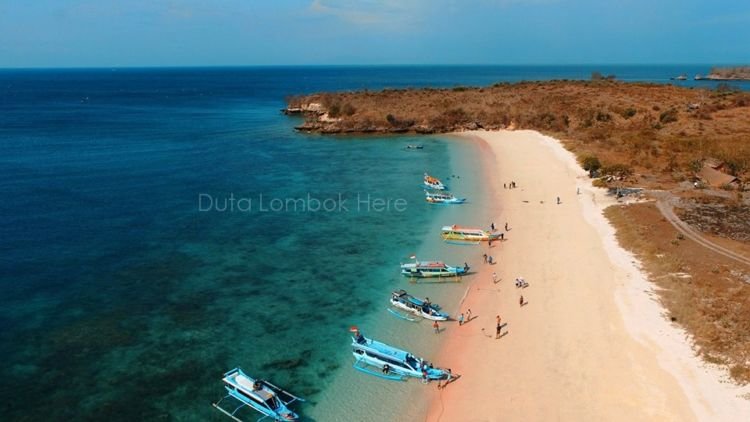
{"points": [[591, 342]]}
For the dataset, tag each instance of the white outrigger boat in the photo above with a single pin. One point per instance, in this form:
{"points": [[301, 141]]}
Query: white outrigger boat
{"points": [[260, 395], [457, 233], [419, 307], [433, 182], [393, 364], [427, 269], [442, 198]]}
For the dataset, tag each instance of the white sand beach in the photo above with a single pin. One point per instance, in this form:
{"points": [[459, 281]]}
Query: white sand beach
{"points": [[591, 343]]}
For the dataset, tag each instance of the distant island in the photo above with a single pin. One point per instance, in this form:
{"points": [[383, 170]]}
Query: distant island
{"points": [[739, 73]]}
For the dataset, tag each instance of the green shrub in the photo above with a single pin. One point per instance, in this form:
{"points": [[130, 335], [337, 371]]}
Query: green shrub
{"points": [[618, 170], [668, 116], [591, 163], [334, 110], [348, 109], [629, 112]]}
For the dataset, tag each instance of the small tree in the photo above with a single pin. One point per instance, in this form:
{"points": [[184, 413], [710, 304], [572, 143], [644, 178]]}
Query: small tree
{"points": [[334, 110], [348, 109], [617, 170], [591, 163]]}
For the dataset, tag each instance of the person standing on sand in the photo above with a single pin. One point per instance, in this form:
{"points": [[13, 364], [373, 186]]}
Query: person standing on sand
{"points": [[492, 226], [436, 326], [558, 200], [468, 315], [520, 301], [505, 186], [485, 258], [461, 319], [498, 327], [494, 278], [506, 226]]}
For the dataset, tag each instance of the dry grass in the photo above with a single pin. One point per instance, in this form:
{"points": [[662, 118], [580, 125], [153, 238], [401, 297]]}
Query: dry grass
{"points": [[656, 129], [713, 304]]}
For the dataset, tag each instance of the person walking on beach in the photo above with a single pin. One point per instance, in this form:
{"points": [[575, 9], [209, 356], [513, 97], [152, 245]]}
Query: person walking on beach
{"points": [[498, 327], [436, 326], [485, 258], [558, 200], [492, 226], [502, 236], [520, 301], [461, 319], [468, 315], [494, 278], [505, 186], [506, 226]]}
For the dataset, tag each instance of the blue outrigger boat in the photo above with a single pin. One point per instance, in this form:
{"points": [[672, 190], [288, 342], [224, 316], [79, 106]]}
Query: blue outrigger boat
{"points": [[394, 364], [260, 395], [419, 307]]}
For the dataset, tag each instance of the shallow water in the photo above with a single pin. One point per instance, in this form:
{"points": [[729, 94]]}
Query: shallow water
{"points": [[121, 299]]}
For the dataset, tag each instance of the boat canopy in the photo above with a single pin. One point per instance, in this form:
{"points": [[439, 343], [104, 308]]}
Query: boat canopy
{"points": [[456, 227], [387, 350], [431, 264], [407, 297]]}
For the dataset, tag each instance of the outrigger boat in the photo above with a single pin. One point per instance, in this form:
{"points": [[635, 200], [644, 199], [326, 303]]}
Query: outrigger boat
{"points": [[433, 182], [466, 234], [426, 269], [394, 364], [442, 198], [419, 307], [260, 395]]}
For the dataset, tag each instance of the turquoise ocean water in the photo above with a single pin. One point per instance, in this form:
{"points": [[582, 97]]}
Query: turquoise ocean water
{"points": [[127, 287]]}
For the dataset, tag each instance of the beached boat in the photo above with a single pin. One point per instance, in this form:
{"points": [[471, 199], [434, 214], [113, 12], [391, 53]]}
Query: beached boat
{"points": [[257, 394], [466, 234], [419, 307], [442, 198], [433, 182], [426, 269], [392, 363]]}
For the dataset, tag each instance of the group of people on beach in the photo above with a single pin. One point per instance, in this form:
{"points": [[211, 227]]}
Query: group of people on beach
{"points": [[511, 185]]}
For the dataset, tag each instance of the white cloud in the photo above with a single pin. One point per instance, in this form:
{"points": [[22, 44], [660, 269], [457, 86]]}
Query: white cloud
{"points": [[371, 12], [404, 12]]}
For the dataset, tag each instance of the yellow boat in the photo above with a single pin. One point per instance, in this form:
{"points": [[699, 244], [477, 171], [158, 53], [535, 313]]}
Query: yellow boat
{"points": [[467, 234]]}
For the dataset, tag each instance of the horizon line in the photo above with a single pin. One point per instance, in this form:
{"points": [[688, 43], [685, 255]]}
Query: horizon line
{"points": [[115, 67]]}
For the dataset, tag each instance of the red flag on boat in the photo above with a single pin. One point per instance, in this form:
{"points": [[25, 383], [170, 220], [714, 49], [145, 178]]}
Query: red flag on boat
{"points": [[353, 329]]}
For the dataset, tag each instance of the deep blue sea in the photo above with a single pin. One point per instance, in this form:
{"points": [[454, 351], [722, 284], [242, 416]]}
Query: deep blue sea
{"points": [[130, 281]]}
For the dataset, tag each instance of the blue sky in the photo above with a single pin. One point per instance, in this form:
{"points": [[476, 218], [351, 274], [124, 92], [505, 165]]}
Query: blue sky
{"points": [[83, 33]]}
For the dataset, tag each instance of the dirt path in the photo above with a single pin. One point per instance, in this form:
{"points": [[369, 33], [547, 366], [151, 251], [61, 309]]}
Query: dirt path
{"points": [[665, 204]]}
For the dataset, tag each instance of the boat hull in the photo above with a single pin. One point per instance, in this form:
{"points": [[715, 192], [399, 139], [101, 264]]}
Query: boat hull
{"points": [[410, 270], [259, 395], [463, 234], [418, 312], [454, 201], [366, 355], [470, 238], [435, 186]]}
